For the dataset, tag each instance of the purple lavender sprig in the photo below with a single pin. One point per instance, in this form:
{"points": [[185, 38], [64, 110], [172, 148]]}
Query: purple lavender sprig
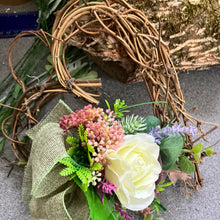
{"points": [[159, 133]]}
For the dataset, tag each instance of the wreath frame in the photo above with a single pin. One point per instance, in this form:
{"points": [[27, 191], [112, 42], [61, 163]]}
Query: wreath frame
{"points": [[130, 30]]}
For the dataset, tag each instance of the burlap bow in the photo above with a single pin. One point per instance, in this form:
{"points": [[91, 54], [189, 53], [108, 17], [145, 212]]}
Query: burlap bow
{"points": [[51, 196]]}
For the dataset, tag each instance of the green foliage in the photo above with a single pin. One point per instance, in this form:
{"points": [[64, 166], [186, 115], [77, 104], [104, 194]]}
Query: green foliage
{"points": [[133, 124], [151, 122], [209, 151], [96, 166], [197, 148], [83, 139], [196, 151], [74, 169], [149, 217], [49, 68], [170, 149], [67, 171], [81, 132], [160, 187], [80, 155], [79, 163], [72, 141], [22, 163], [99, 211], [186, 165], [78, 74], [107, 103], [85, 175], [70, 163], [17, 91], [156, 205], [49, 59], [46, 10], [80, 149], [78, 64], [85, 135], [119, 107], [2, 143], [90, 148]]}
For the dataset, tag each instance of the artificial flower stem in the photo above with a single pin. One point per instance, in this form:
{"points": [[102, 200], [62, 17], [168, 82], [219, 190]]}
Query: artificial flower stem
{"points": [[144, 103]]}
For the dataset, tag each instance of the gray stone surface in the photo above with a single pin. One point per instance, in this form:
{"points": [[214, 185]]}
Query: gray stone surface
{"points": [[201, 91]]}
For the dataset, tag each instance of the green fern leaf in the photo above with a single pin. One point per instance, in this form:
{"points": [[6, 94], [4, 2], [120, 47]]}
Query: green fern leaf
{"points": [[81, 131], [88, 173], [71, 151], [72, 141], [86, 136], [69, 162], [67, 171], [82, 177], [65, 162], [85, 175]]}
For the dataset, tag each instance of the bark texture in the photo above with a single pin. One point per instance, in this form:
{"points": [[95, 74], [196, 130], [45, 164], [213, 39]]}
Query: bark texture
{"points": [[190, 27]]}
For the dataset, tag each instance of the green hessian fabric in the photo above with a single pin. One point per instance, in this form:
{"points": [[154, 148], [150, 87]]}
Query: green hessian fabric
{"points": [[50, 195]]}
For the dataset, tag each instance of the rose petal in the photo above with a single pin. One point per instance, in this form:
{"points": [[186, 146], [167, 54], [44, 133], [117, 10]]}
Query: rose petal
{"points": [[134, 168]]}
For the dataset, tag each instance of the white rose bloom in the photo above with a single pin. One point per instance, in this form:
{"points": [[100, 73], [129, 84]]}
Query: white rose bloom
{"points": [[133, 169]]}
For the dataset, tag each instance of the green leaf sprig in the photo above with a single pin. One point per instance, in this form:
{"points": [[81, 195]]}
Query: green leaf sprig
{"points": [[197, 150], [79, 162], [120, 108], [186, 165], [161, 186], [156, 205]]}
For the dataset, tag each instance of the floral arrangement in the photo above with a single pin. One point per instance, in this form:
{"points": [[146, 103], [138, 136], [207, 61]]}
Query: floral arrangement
{"points": [[121, 162]]}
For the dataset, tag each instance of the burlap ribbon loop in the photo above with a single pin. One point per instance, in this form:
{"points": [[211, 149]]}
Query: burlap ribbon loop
{"points": [[51, 196]]}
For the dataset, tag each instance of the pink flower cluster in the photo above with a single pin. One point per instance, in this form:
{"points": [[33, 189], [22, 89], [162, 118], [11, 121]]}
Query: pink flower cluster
{"points": [[104, 132], [104, 135], [82, 116], [146, 211]]}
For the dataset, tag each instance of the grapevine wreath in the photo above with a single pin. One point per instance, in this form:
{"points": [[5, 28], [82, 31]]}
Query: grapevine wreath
{"points": [[117, 37]]}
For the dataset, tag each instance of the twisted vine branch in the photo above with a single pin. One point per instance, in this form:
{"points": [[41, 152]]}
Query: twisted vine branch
{"points": [[116, 30]]}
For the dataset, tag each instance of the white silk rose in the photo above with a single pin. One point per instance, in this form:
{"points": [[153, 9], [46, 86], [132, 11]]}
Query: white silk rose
{"points": [[133, 169]]}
